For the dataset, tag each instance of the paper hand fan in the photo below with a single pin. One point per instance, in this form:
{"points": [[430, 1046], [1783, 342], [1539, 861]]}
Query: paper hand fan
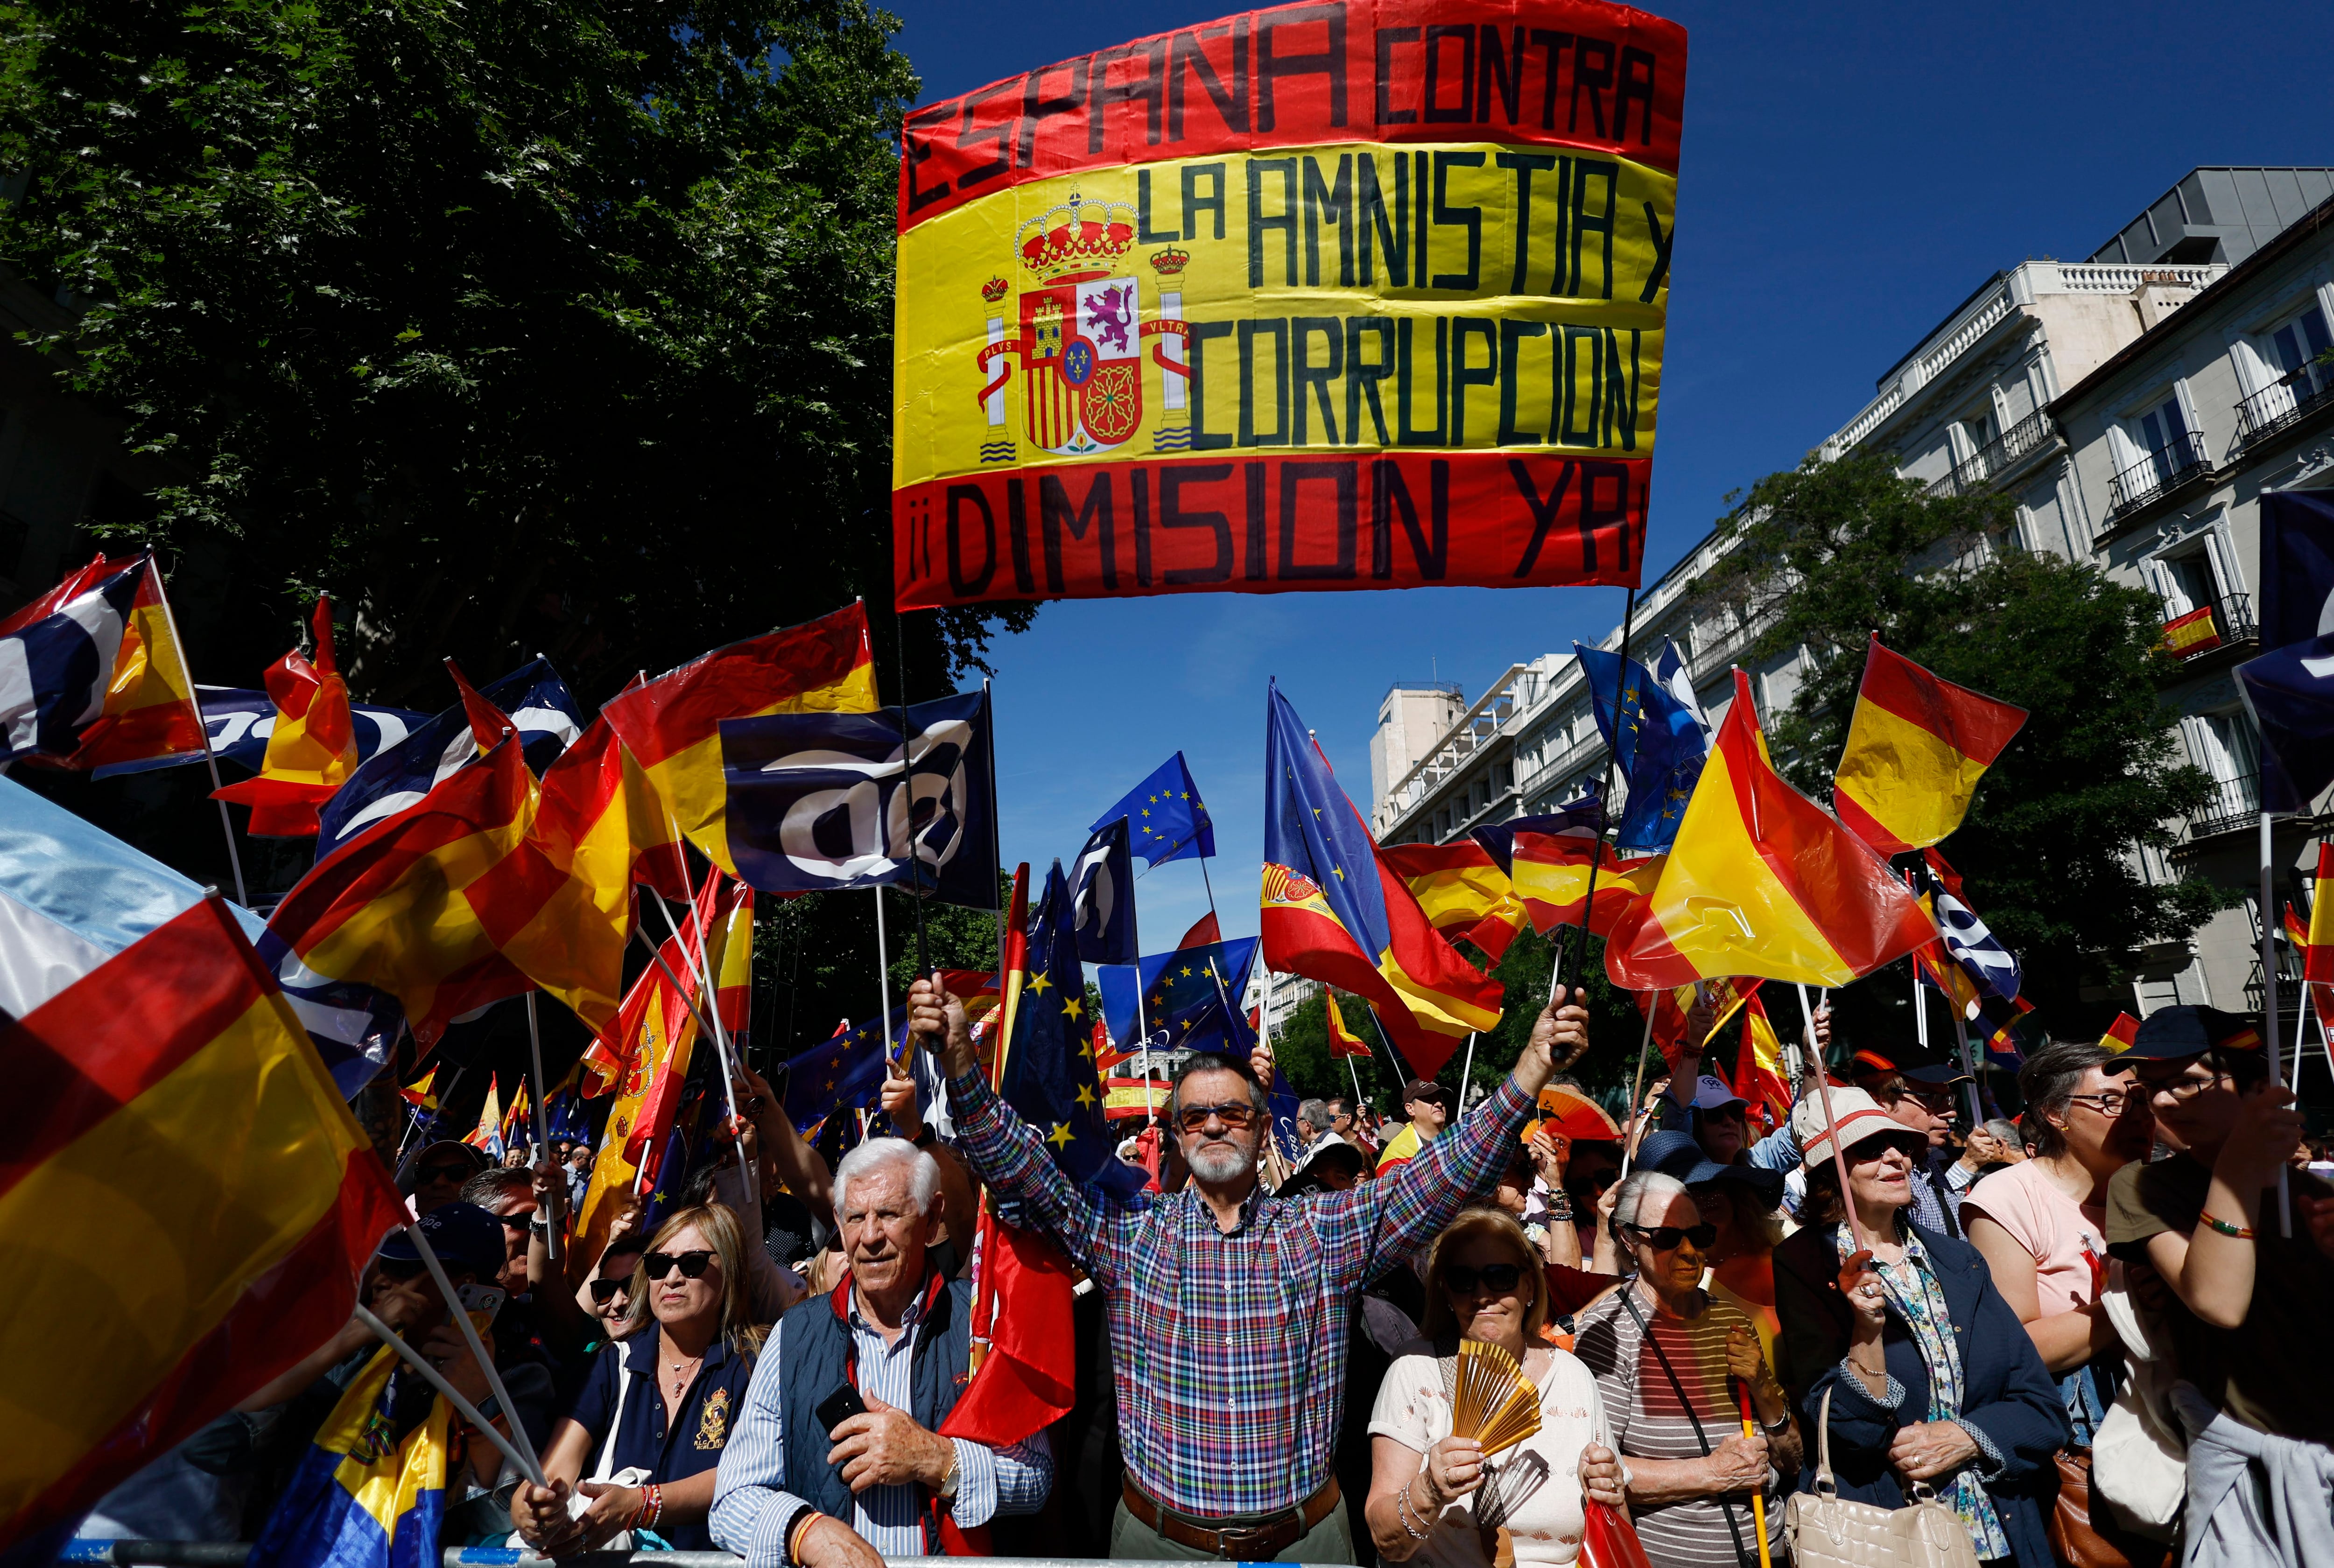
{"points": [[1494, 1404]]}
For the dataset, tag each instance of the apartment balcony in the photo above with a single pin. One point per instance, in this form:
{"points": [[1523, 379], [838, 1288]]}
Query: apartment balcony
{"points": [[1999, 458], [2157, 474], [2281, 404], [2234, 802], [2211, 628]]}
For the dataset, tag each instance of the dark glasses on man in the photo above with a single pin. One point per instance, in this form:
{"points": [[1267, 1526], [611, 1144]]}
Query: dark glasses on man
{"points": [[693, 1264], [1665, 1237], [1237, 1116], [453, 1171], [601, 1289], [1498, 1278], [399, 1268]]}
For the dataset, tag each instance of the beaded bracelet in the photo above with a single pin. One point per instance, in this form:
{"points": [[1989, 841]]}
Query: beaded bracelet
{"points": [[2225, 1228], [655, 1504]]}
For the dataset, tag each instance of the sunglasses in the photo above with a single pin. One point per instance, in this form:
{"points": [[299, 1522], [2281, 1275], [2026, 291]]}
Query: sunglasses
{"points": [[693, 1264], [601, 1289], [1665, 1237], [1499, 1277], [454, 1172], [517, 1221], [1235, 1116], [400, 1269]]}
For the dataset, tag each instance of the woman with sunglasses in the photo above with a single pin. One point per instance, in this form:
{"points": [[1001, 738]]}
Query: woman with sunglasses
{"points": [[646, 1432], [1930, 1376], [2041, 1223], [1671, 1363], [1429, 1489]]}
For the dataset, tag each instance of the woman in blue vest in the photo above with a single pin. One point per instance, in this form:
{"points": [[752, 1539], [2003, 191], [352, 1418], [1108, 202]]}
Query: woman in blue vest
{"points": [[642, 1441]]}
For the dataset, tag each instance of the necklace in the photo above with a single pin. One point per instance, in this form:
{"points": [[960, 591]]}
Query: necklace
{"points": [[681, 1371]]}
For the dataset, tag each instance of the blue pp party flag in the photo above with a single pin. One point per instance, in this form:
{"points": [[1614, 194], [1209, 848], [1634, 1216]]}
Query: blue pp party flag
{"points": [[1101, 897], [2289, 691], [541, 710], [240, 719], [826, 800], [1050, 1077], [1658, 743], [1190, 999], [2297, 571], [1166, 819]]}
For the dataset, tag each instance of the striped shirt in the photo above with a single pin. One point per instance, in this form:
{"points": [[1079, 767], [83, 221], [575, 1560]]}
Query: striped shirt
{"points": [[1648, 1423], [1229, 1350], [751, 1505]]}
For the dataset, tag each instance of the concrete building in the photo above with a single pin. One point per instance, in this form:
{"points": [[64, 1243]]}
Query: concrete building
{"points": [[2173, 440], [1982, 402]]}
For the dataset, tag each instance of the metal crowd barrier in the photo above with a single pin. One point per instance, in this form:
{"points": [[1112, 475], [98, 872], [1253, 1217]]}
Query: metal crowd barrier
{"points": [[234, 1553]]}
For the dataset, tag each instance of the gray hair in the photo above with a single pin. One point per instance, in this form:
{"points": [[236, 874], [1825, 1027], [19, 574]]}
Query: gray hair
{"points": [[1315, 1114], [2004, 1130], [498, 1184], [924, 1173], [1659, 1187]]}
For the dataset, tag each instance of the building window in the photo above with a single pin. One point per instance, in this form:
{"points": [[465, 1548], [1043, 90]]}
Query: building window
{"points": [[2297, 345], [2163, 435]]}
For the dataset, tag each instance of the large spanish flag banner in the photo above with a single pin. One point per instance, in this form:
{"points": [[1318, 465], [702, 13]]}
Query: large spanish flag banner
{"points": [[1761, 881], [1354, 295], [185, 1202], [1916, 747], [671, 725]]}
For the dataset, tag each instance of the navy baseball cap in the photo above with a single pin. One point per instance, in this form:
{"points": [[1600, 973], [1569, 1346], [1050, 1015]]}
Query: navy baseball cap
{"points": [[2169, 1034], [462, 1235]]}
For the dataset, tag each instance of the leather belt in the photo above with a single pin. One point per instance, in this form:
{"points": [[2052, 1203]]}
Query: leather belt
{"points": [[1252, 1540]]}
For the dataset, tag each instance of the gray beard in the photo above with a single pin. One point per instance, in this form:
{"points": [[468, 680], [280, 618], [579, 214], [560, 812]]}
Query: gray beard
{"points": [[1209, 1165]]}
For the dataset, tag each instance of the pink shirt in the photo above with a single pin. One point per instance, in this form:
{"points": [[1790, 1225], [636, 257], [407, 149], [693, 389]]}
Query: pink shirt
{"points": [[2068, 1240]]}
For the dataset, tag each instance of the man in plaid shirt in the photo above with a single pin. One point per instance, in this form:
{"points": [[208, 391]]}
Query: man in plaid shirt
{"points": [[1229, 1308]]}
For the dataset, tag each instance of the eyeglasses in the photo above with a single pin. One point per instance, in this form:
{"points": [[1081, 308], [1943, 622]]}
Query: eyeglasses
{"points": [[1498, 1278], [601, 1289], [399, 1268], [2110, 1103], [2184, 1087], [455, 1171], [1235, 1116], [1665, 1237], [517, 1221], [693, 1264]]}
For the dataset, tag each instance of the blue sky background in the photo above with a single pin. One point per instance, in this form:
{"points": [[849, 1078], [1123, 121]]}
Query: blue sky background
{"points": [[1850, 174]]}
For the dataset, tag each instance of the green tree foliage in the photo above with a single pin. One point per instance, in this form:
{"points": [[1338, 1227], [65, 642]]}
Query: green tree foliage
{"points": [[538, 326], [1830, 552]]}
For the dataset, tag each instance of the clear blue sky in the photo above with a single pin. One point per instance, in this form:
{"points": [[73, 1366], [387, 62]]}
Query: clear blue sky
{"points": [[1850, 174]]}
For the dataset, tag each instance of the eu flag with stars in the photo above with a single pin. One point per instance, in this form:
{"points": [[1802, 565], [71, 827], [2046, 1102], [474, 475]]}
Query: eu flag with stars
{"points": [[1050, 1079], [1166, 819], [842, 1073], [1656, 741], [1184, 1004]]}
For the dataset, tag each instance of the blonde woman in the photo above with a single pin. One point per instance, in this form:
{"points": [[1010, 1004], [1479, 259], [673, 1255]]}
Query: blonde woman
{"points": [[646, 1433], [1428, 1489]]}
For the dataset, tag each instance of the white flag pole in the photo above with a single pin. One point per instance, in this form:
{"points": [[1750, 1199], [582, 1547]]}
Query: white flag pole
{"points": [[210, 758]]}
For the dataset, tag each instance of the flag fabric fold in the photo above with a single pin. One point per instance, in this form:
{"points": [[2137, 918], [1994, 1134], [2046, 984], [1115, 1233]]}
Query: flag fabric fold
{"points": [[92, 676], [1462, 891], [1762, 881], [1048, 1076], [1916, 747], [1343, 1042], [313, 750], [1166, 819], [371, 1491], [2318, 964], [2290, 692], [1332, 910], [1657, 744]]}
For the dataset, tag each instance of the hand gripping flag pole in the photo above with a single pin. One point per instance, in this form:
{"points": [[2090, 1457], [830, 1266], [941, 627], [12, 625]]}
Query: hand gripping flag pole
{"points": [[526, 1457], [1831, 1128], [1604, 794]]}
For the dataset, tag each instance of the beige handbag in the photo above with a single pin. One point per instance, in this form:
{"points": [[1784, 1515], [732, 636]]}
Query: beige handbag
{"points": [[1829, 1530]]}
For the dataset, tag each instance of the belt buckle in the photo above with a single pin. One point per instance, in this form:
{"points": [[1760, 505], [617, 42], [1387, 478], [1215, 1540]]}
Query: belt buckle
{"points": [[1231, 1544]]}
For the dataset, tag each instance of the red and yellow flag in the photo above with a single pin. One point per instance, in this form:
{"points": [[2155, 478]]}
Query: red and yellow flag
{"points": [[1343, 1042], [1762, 881], [422, 1092], [1916, 747], [2120, 1035], [1551, 878], [313, 748], [185, 1201], [2318, 950], [144, 706], [671, 725], [1758, 1075], [1673, 1011], [1462, 892]]}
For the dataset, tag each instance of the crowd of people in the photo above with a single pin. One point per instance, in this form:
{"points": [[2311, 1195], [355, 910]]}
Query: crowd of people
{"points": [[2080, 1336]]}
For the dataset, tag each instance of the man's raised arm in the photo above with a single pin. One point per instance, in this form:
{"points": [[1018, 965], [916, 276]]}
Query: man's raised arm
{"points": [[1001, 1148]]}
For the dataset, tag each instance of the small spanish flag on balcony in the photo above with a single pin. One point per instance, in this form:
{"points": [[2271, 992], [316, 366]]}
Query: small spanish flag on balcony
{"points": [[1916, 747], [2193, 633], [2120, 1033]]}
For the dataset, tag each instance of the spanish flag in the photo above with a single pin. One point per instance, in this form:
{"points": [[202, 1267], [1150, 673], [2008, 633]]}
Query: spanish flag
{"points": [[133, 703], [1462, 891], [2318, 950], [671, 725], [313, 748], [371, 1492], [1673, 1011], [185, 1202], [1343, 1042], [2120, 1033], [409, 907], [421, 1093], [1758, 1075], [1762, 881], [1551, 877], [1916, 747], [1331, 909]]}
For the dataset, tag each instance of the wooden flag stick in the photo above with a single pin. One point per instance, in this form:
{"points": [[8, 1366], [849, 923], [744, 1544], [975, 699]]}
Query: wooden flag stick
{"points": [[1831, 1128], [1637, 1094]]}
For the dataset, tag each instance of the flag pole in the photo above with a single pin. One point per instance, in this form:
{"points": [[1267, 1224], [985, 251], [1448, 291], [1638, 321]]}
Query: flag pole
{"points": [[703, 964], [202, 725], [1142, 1019], [542, 1135], [437, 1380], [1467, 1072], [1604, 801], [915, 857], [997, 844], [882, 970], [1630, 1139], [1831, 1128], [2268, 1007], [454, 1309]]}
